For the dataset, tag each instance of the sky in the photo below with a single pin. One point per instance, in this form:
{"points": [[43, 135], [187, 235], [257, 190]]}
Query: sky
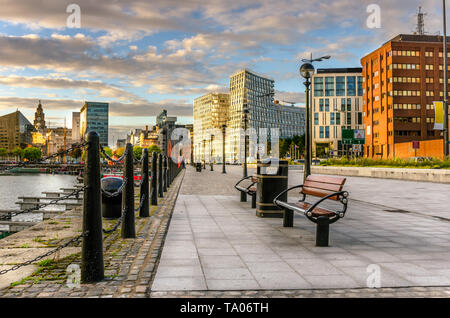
{"points": [[143, 56]]}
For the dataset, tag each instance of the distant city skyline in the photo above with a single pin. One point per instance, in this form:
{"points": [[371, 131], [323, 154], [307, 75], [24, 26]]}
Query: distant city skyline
{"points": [[141, 59]]}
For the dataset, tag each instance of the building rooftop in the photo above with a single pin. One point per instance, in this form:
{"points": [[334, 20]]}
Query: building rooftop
{"points": [[339, 70], [418, 38]]}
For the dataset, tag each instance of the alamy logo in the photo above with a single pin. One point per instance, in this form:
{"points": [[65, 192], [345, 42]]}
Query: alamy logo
{"points": [[374, 19], [74, 20], [73, 276], [374, 279]]}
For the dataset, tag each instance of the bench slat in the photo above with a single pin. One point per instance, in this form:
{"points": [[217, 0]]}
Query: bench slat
{"points": [[319, 192], [326, 179], [325, 186], [317, 211]]}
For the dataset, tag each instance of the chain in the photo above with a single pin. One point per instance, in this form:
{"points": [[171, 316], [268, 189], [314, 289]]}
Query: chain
{"points": [[38, 161], [124, 212], [73, 240], [102, 150], [140, 204], [43, 205], [117, 192]]}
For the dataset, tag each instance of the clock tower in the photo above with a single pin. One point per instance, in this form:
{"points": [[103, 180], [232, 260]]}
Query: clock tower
{"points": [[39, 118]]}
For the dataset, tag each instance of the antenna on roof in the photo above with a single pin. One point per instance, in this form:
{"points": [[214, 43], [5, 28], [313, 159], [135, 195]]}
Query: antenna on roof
{"points": [[420, 29]]}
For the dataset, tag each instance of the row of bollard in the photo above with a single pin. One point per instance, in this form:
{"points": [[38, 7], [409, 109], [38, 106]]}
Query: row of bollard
{"points": [[163, 173]]}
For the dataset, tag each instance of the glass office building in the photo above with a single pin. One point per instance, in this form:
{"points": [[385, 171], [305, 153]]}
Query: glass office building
{"points": [[336, 105], [94, 116]]}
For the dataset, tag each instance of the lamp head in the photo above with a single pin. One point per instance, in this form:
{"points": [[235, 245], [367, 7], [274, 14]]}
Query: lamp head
{"points": [[307, 70]]}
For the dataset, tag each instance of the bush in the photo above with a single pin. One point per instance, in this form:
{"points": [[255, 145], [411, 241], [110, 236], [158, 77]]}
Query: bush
{"points": [[398, 163]]}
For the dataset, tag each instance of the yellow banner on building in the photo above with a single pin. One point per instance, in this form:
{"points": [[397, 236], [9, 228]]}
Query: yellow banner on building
{"points": [[438, 115]]}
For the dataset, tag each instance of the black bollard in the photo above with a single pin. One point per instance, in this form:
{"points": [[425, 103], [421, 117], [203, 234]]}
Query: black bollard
{"points": [[154, 194], [92, 268], [165, 174], [128, 227], [144, 211], [160, 178]]}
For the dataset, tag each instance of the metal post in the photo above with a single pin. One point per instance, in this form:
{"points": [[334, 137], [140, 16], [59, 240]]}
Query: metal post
{"points": [[160, 177], [307, 133], [165, 174], [128, 227], [154, 194], [210, 153], [145, 209], [445, 84], [288, 218], [92, 268], [223, 149]]}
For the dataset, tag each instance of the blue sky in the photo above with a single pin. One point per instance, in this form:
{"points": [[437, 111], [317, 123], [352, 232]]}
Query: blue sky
{"points": [[143, 56]]}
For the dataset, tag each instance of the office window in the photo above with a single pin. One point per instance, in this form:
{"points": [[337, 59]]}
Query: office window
{"points": [[327, 132], [316, 118], [318, 86], [349, 119], [360, 85], [360, 119], [343, 104], [329, 86], [331, 118], [349, 104], [321, 105], [321, 132], [338, 118], [340, 85], [351, 85], [327, 105]]}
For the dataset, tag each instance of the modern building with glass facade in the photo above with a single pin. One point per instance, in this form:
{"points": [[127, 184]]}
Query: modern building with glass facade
{"points": [[15, 131], [94, 116], [256, 92], [336, 105]]}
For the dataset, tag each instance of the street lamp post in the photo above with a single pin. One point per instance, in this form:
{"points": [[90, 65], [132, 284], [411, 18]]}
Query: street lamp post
{"points": [[245, 117], [306, 71], [246, 111], [224, 127], [204, 153], [210, 152]]}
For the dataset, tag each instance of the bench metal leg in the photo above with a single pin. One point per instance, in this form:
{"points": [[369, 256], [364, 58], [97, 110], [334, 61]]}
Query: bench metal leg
{"points": [[322, 231], [288, 218], [254, 201], [243, 196]]}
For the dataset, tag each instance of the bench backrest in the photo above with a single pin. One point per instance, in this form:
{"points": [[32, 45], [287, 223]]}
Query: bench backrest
{"points": [[321, 186]]}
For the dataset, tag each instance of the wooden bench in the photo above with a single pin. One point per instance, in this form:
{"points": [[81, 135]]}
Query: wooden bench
{"points": [[324, 188], [249, 190]]}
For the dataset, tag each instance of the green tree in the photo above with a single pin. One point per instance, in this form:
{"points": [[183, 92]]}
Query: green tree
{"points": [[119, 152], [300, 142], [108, 151], [154, 148], [3, 152], [32, 153], [137, 150], [17, 152], [284, 146]]}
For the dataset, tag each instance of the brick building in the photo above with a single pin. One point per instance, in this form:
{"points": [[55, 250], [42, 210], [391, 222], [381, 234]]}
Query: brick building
{"points": [[401, 79]]}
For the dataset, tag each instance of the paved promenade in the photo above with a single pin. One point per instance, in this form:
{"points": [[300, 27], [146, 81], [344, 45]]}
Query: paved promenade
{"points": [[216, 243]]}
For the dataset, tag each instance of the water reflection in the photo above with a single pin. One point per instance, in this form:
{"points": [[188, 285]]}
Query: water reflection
{"points": [[30, 185]]}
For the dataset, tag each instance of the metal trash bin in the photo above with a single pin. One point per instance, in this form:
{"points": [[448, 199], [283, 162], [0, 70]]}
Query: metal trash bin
{"points": [[272, 175], [198, 166], [111, 204]]}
